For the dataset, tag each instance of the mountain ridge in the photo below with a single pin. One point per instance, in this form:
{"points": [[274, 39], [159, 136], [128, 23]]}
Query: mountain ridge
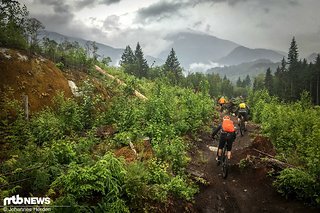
{"points": [[252, 69], [243, 54], [103, 49]]}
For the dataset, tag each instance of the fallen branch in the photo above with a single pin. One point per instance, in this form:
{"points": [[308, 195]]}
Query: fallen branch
{"points": [[18, 181], [271, 159], [136, 93], [25, 170], [261, 152]]}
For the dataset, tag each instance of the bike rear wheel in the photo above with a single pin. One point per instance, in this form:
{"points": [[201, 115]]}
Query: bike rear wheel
{"points": [[242, 126], [224, 163]]}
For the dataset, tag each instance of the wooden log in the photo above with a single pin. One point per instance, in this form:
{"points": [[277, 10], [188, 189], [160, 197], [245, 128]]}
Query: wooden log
{"points": [[261, 152], [271, 159], [135, 92]]}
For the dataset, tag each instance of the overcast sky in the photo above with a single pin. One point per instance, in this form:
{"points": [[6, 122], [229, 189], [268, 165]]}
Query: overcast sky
{"points": [[253, 23]]}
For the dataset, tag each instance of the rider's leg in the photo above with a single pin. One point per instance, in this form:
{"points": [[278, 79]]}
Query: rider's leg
{"points": [[229, 146], [221, 145], [229, 155]]}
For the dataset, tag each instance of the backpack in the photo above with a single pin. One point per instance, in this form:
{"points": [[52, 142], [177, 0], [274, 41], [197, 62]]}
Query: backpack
{"points": [[227, 125], [222, 100], [242, 106]]}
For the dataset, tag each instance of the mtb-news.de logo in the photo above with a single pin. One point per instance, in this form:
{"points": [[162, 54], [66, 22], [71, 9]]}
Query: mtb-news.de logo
{"points": [[26, 204]]}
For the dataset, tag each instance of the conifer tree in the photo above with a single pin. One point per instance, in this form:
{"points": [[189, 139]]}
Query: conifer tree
{"points": [[247, 81], [172, 67], [127, 57], [239, 82], [293, 54], [127, 60], [316, 76], [140, 62], [293, 68], [268, 81]]}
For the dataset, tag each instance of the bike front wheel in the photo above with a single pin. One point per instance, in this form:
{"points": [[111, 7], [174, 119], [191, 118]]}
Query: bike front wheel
{"points": [[224, 167]]}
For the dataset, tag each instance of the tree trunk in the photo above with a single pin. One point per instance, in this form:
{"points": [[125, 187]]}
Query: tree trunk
{"points": [[317, 101]]}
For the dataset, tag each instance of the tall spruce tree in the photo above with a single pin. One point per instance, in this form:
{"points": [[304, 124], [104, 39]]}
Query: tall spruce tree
{"points": [[293, 53], [172, 68], [293, 74], [127, 57], [140, 62], [268, 81], [316, 76], [247, 81], [127, 61], [239, 82]]}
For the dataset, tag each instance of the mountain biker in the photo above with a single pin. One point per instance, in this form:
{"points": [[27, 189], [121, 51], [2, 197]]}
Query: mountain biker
{"points": [[228, 135], [222, 101], [231, 106], [243, 110]]}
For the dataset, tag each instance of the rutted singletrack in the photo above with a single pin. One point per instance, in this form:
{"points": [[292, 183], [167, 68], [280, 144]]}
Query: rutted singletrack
{"points": [[245, 190]]}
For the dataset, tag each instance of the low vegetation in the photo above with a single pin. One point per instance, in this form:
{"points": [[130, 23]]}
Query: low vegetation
{"points": [[294, 130]]}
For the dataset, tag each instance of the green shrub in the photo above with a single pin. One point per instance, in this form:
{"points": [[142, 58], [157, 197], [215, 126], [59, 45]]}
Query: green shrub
{"points": [[62, 152], [298, 183], [69, 113], [180, 188], [173, 151], [105, 177], [294, 130], [46, 126]]}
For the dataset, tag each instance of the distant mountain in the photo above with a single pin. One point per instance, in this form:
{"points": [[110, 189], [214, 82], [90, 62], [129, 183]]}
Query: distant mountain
{"points": [[243, 54], [195, 51], [103, 50], [192, 47], [242, 70], [312, 58]]}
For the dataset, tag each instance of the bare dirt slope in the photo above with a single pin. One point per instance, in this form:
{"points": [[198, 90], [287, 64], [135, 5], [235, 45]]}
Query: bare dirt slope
{"points": [[245, 190], [31, 75]]}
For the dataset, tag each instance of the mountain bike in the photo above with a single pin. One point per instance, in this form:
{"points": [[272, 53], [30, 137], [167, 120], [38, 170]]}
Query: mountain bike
{"points": [[224, 161], [231, 108], [242, 125]]}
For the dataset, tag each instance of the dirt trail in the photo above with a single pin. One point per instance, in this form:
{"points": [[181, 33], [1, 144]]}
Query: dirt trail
{"points": [[244, 190]]}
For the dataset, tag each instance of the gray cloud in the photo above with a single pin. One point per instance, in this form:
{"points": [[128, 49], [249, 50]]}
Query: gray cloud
{"points": [[293, 2], [208, 28], [230, 2], [159, 11], [197, 24], [166, 9], [84, 3], [80, 4], [109, 1], [55, 21], [59, 6], [111, 22], [253, 23], [263, 25]]}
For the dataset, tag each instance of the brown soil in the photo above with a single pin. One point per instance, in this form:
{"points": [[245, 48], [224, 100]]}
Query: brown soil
{"points": [[31, 75], [245, 190], [39, 79]]}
